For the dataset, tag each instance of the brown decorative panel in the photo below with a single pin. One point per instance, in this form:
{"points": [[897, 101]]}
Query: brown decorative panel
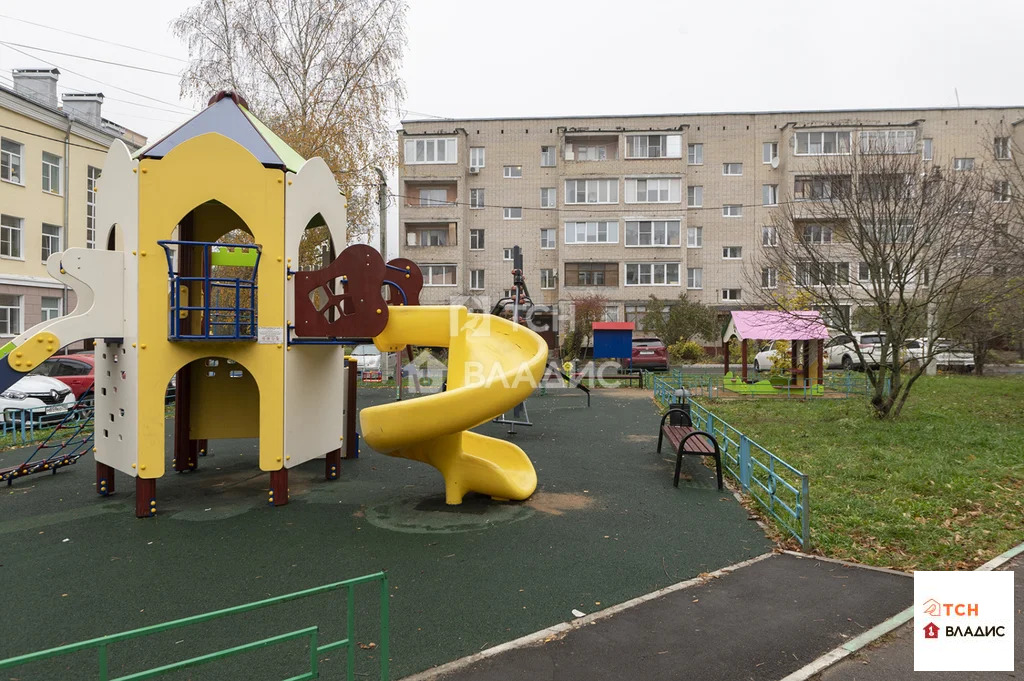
{"points": [[411, 281], [344, 299]]}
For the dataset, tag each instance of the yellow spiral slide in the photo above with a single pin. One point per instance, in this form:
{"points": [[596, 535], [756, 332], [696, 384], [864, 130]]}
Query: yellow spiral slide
{"points": [[493, 365]]}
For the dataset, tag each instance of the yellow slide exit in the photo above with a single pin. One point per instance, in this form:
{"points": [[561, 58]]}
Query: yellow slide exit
{"points": [[493, 365]]}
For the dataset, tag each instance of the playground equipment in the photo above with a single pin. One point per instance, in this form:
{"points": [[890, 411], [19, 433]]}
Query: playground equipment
{"points": [[65, 445], [804, 328], [201, 282]]}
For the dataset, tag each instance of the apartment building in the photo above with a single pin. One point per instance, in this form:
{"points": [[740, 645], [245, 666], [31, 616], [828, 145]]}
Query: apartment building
{"points": [[633, 206], [51, 156]]}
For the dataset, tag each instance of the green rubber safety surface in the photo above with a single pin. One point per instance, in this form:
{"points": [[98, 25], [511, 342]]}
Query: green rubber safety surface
{"points": [[604, 526]]}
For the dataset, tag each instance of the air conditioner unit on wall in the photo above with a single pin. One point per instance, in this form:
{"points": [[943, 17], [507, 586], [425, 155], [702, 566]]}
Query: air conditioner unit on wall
{"points": [[474, 170]]}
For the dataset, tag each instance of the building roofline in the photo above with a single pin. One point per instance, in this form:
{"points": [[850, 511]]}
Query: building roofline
{"points": [[57, 111], [778, 112]]}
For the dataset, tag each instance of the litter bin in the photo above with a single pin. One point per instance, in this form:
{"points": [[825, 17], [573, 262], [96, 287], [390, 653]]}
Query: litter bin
{"points": [[682, 403]]}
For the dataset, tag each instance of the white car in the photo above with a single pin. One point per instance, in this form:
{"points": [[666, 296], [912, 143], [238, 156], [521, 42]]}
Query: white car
{"points": [[839, 352], [766, 358], [48, 398], [368, 358], [947, 355]]}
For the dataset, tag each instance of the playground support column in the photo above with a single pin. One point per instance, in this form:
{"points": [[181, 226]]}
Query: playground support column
{"points": [[793, 369], [332, 465], [350, 408], [279, 487], [725, 349], [104, 479], [186, 451], [743, 358], [807, 363], [821, 361], [145, 497]]}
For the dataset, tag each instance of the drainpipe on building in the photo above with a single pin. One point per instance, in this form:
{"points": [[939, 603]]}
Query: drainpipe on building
{"points": [[66, 240]]}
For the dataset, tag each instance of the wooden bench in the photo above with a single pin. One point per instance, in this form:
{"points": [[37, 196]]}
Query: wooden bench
{"points": [[686, 439]]}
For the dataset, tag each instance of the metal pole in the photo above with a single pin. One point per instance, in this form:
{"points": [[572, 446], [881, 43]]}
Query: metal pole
{"points": [[382, 204]]}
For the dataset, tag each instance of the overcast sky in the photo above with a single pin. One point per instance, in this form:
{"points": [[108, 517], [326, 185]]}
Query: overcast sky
{"points": [[546, 57], [468, 58]]}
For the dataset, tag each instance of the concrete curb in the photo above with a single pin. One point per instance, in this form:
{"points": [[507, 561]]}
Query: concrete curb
{"points": [[877, 632], [559, 630]]}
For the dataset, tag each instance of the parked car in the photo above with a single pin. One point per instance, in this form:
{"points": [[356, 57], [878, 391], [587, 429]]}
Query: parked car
{"points": [[649, 353], [946, 355], [368, 358], [840, 351], [75, 371], [768, 356], [49, 396]]}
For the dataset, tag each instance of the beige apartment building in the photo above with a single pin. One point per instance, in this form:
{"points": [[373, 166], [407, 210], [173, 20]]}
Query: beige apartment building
{"points": [[51, 155], [633, 206]]}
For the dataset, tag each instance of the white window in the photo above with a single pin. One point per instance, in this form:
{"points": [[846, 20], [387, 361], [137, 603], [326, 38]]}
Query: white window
{"points": [[652, 232], [926, 149], [769, 151], [91, 178], [476, 198], [10, 236], [593, 232], [476, 239], [652, 274], [547, 197], [695, 196], [506, 254], [433, 197], [635, 313], [770, 194], [50, 307], [817, 235], [438, 275], [769, 236], [1002, 191], [427, 237], [732, 168], [51, 240], [1002, 148], [547, 279], [732, 252], [888, 141], [10, 161], [863, 271], [10, 315], [591, 191], [731, 294], [547, 238], [822, 273], [963, 164], [822, 143], [588, 152], [694, 278], [610, 314], [547, 157], [732, 210], [477, 157], [513, 212], [654, 190], [513, 172], [51, 173], [431, 150], [694, 237], [769, 277], [654, 146], [476, 280], [695, 154]]}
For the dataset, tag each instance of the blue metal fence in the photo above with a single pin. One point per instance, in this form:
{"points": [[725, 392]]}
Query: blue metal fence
{"points": [[779, 488], [837, 384]]}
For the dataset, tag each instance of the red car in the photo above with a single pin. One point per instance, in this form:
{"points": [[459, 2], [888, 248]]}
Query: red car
{"points": [[648, 353], [75, 371]]}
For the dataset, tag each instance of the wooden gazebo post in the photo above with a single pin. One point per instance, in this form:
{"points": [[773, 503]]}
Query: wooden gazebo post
{"points": [[725, 349], [821, 361], [743, 358], [807, 363], [792, 362]]}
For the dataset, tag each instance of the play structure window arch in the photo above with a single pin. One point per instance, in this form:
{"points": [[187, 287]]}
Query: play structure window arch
{"points": [[212, 266], [112, 238], [316, 246]]}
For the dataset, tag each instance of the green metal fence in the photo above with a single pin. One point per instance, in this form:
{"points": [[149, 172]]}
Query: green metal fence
{"points": [[779, 488], [102, 644]]}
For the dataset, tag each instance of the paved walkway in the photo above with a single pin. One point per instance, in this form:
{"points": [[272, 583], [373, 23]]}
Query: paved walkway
{"points": [[760, 622], [892, 658]]}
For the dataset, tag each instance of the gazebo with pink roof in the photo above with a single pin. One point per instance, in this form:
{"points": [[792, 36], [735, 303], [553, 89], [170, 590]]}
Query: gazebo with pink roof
{"points": [[803, 328]]}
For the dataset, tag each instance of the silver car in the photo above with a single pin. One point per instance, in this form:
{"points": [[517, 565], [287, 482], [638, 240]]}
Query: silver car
{"points": [[368, 358]]}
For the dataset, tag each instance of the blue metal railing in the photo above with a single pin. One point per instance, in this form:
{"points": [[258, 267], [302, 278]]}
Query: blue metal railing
{"points": [[234, 321], [836, 384], [779, 488]]}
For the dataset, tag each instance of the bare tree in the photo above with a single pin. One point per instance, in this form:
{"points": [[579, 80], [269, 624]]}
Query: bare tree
{"points": [[872, 225], [324, 74]]}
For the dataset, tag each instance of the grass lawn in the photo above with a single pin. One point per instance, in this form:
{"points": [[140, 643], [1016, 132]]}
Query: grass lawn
{"points": [[941, 488]]}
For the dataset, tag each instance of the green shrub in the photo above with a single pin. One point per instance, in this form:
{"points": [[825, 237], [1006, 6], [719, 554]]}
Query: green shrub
{"points": [[686, 352]]}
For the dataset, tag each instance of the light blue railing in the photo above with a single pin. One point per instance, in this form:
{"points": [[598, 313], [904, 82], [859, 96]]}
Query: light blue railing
{"points": [[780, 489], [838, 384]]}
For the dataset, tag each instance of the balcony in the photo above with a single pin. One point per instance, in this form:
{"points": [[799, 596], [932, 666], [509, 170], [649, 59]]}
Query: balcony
{"points": [[434, 239], [596, 147]]}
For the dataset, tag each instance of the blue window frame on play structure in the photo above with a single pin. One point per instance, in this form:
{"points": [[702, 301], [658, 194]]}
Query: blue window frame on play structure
{"points": [[215, 298]]}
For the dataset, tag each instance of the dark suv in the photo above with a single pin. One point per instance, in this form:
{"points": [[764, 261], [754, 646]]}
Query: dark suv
{"points": [[649, 353]]}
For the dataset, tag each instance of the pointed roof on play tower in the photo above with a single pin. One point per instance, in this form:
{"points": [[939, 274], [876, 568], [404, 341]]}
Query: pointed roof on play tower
{"points": [[228, 114]]}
